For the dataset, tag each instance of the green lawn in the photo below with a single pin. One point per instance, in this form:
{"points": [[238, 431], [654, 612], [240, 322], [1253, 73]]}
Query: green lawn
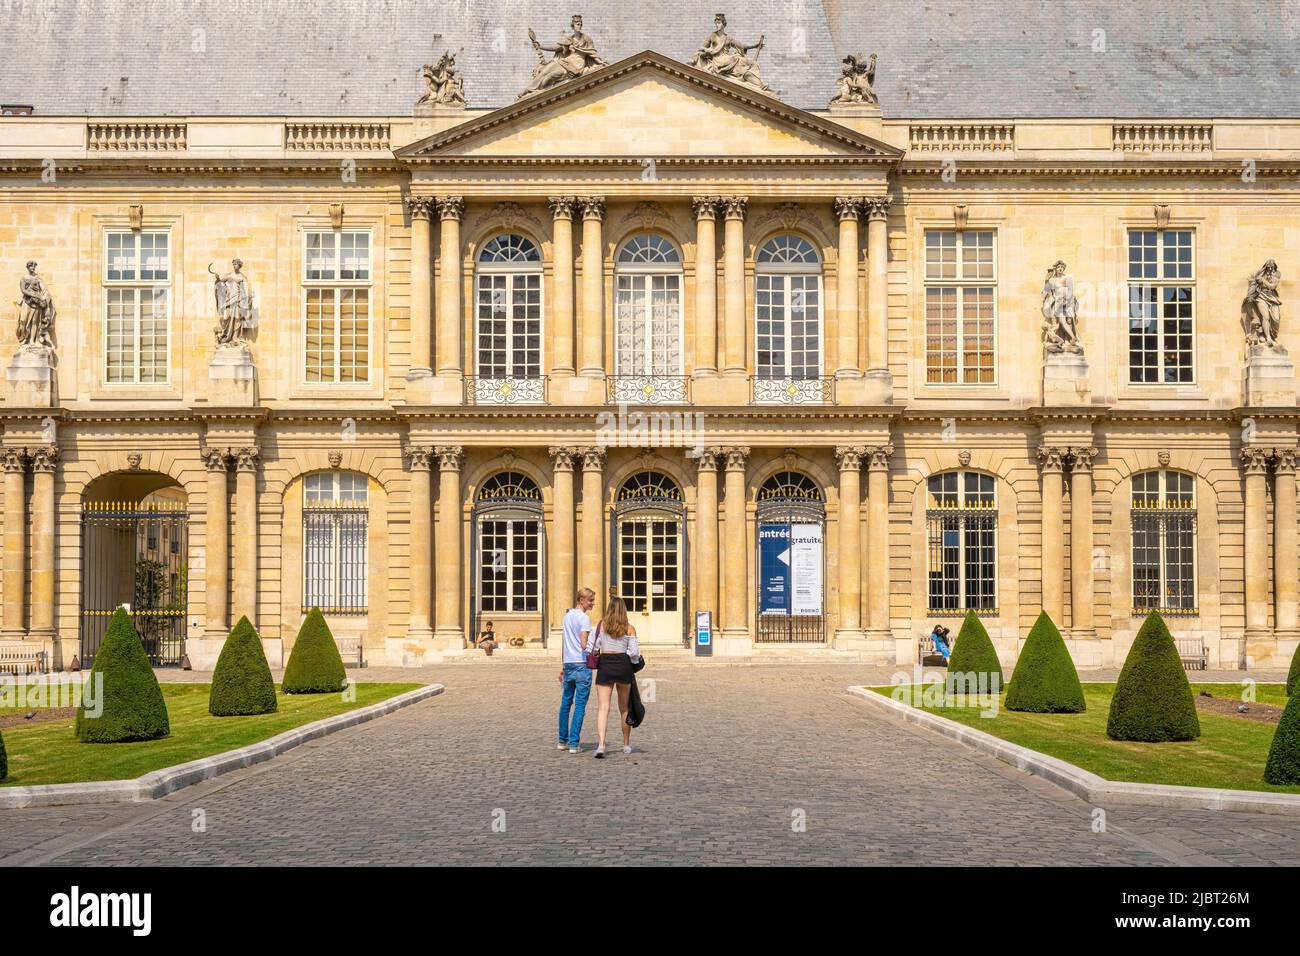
{"points": [[51, 753], [1230, 752]]}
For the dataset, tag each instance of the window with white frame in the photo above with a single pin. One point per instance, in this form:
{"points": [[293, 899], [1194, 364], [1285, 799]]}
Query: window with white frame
{"points": [[788, 309], [1164, 543], [137, 319], [335, 526], [961, 543], [960, 297], [510, 544], [510, 309], [337, 280], [1161, 290]]}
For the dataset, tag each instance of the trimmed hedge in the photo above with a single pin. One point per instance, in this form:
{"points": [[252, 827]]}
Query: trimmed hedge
{"points": [[4, 759], [973, 653], [242, 683], [133, 705], [1045, 681], [1283, 766], [1293, 675], [1153, 701], [315, 666]]}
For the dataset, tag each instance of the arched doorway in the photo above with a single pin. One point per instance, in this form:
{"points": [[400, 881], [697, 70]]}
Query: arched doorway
{"points": [[791, 516], [649, 556], [135, 554], [508, 563]]}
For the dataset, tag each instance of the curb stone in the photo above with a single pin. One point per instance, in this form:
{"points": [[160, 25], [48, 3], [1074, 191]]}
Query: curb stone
{"points": [[159, 783], [1083, 783]]}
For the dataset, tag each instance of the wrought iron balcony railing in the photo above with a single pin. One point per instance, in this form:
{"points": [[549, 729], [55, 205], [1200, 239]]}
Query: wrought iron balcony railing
{"points": [[649, 389], [489, 390], [767, 390]]}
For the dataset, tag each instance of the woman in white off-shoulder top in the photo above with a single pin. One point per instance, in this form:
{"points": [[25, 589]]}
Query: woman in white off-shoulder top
{"points": [[615, 640]]}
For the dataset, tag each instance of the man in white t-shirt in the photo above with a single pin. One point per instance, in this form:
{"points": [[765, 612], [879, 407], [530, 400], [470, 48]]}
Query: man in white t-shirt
{"points": [[575, 676]]}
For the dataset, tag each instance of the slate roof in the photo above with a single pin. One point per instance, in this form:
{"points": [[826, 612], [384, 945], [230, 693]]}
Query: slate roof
{"points": [[938, 58]]}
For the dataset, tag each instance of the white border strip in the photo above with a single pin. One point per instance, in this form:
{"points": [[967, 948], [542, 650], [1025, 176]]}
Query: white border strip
{"points": [[159, 783], [1083, 783]]}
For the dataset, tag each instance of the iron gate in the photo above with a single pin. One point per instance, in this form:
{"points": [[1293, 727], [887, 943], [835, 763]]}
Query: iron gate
{"points": [[135, 555], [785, 501]]}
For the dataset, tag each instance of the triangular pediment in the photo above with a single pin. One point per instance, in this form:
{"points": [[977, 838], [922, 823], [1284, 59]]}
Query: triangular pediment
{"points": [[648, 105]]}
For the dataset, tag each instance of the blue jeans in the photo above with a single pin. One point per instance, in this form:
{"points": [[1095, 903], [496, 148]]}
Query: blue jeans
{"points": [[577, 687], [941, 647]]}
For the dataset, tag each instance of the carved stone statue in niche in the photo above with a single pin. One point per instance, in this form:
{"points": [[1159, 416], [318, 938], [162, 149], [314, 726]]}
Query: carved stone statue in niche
{"points": [[1060, 312], [724, 55], [1261, 310], [35, 312], [442, 83], [234, 305], [574, 55], [855, 85]]}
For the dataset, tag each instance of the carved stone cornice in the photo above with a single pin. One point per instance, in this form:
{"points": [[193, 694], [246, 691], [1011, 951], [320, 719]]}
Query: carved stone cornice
{"points": [[593, 458], [1255, 459], [848, 208], [45, 459], [1081, 459], [450, 457], [15, 460], [562, 207], [850, 457], [420, 207], [705, 207], [734, 207], [562, 457], [878, 457], [1051, 459], [1284, 460], [877, 208], [593, 207], [246, 458], [737, 457], [420, 456], [451, 207]]}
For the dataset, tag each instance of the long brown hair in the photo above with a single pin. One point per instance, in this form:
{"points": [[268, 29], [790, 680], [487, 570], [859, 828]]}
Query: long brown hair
{"points": [[614, 623]]}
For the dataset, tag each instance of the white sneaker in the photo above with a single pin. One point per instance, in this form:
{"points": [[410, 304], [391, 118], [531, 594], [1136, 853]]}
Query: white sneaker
{"points": [[561, 746], [627, 749], [600, 752], [575, 750]]}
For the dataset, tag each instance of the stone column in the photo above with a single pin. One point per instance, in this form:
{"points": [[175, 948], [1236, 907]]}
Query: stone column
{"points": [[1081, 596], [878, 288], [848, 209], [562, 331], [450, 633], [734, 284], [1052, 546], [217, 548], [421, 211], [706, 287], [591, 554], [451, 210], [561, 554], [849, 548], [707, 554], [45, 464], [878, 541], [1255, 460], [1284, 544], [593, 287], [735, 620], [15, 543], [421, 559], [246, 534]]}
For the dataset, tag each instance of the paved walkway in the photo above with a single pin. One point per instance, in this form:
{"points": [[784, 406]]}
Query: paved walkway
{"points": [[730, 758]]}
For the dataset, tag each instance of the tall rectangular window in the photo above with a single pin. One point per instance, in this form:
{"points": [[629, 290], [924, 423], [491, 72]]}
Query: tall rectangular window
{"points": [[1161, 289], [961, 543], [1164, 543], [335, 525], [336, 300], [137, 317], [960, 289]]}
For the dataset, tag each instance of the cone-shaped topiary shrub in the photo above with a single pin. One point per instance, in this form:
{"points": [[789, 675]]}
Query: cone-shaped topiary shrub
{"points": [[1283, 764], [1153, 700], [4, 759], [242, 682], [133, 705], [973, 654], [1293, 675], [315, 666], [1045, 681]]}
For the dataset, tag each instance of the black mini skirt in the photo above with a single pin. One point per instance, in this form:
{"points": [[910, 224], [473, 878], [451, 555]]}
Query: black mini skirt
{"points": [[615, 669]]}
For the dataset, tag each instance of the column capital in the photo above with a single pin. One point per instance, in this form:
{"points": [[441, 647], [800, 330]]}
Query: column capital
{"points": [[15, 459], [214, 459], [708, 461], [737, 457], [593, 458], [420, 456], [878, 457], [850, 457], [734, 206], [1255, 459], [562, 457], [705, 207], [593, 207], [1050, 458], [877, 208], [246, 458], [1081, 459], [450, 457], [1284, 460], [848, 208], [45, 459], [420, 207], [562, 207], [451, 208]]}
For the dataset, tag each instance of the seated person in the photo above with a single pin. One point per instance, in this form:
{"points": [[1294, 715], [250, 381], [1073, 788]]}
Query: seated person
{"points": [[940, 637]]}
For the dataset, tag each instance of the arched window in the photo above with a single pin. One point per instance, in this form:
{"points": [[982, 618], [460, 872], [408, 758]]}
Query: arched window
{"points": [[648, 322], [650, 486], [335, 524], [508, 507], [788, 322], [649, 510], [961, 539], [791, 563], [790, 486], [509, 303], [1164, 543]]}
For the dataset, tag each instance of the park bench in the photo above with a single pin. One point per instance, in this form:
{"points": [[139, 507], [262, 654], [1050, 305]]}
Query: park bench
{"points": [[350, 651], [926, 655], [18, 657], [1191, 650]]}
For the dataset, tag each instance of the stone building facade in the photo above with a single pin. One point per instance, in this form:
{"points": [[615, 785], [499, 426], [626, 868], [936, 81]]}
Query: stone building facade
{"points": [[655, 331]]}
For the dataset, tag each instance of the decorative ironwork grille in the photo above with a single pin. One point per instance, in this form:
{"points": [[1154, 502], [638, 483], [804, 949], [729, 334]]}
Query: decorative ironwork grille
{"points": [[793, 391], [961, 539], [1164, 543], [790, 498], [507, 391], [335, 526], [649, 389]]}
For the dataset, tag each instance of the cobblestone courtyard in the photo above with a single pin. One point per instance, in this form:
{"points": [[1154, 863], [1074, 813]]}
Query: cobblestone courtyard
{"points": [[729, 757]]}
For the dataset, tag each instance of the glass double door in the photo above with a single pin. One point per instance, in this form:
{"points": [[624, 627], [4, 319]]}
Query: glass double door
{"points": [[649, 551]]}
